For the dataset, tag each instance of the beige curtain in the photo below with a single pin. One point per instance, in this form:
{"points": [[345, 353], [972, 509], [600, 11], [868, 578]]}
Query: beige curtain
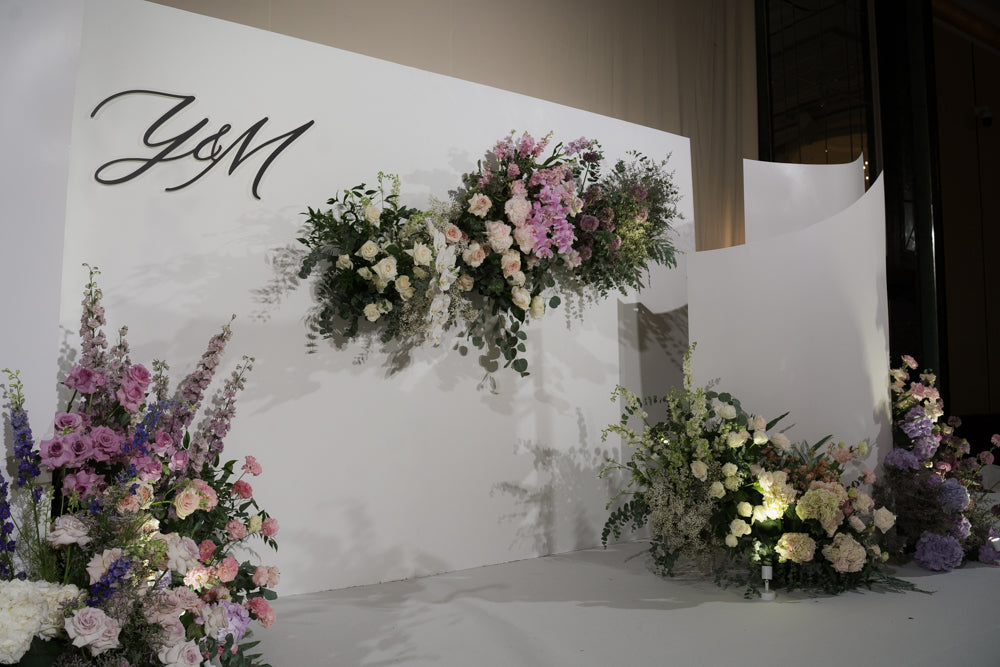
{"points": [[682, 66]]}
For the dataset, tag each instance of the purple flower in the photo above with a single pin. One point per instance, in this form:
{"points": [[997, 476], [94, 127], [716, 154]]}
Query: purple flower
{"points": [[903, 459], [925, 446], [953, 496], [916, 423], [939, 553], [589, 223], [616, 243], [107, 443], [986, 458], [962, 527], [574, 147], [639, 193], [586, 252], [989, 553], [24, 447], [7, 543], [591, 157], [68, 421]]}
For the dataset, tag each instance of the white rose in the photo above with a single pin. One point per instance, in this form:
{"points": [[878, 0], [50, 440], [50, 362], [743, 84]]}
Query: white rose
{"points": [[180, 655], [699, 470], [729, 469], [344, 263], [421, 254], [498, 235], [731, 483], [731, 541], [66, 530], [368, 251], [372, 213], [386, 268], [517, 278], [404, 288], [759, 437], [365, 273], [717, 490], [521, 297], [739, 527], [537, 306], [372, 312], [744, 509], [884, 519]]}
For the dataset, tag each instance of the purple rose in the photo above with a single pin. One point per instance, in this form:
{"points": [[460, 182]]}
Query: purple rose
{"points": [[84, 380], [139, 375], [79, 446], [67, 422], [85, 482], [589, 223], [586, 252], [107, 443], [54, 453], [130, 394]]}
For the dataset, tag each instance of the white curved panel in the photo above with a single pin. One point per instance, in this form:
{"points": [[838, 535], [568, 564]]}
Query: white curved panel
{"points": [[781, 198]]}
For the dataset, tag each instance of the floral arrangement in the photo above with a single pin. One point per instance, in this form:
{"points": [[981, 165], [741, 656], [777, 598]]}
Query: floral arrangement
{"points": [[932, 481], [123, 544], [722, 489], [521, 227]]}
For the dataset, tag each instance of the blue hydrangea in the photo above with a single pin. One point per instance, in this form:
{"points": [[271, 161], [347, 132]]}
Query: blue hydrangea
{"points": [[953, 496], [903, 459], [939, 553]]}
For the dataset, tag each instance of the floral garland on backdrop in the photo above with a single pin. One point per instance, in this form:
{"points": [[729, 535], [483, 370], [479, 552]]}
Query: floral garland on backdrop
{"points": [[932, 481], [129, 555], [722, 490], [521, 229]]}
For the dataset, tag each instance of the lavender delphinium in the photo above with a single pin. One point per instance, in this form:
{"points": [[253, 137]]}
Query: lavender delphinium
{"points": [[93, 343], [24, 442], [219, 423]]}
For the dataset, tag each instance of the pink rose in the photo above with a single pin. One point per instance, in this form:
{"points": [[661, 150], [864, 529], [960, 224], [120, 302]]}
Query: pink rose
{"points": [[187, 501], [510, 262], [130, 395], [84, 380], [163, 442], [269, 527], [525, 237], [179, 461], [242, 489], [452, 234], [209, 498], [236, 529], [91, 627], [498, 235], [181, 655], [474, 255], [251, 467], [79, 446], [479, 204], [66, 530]]}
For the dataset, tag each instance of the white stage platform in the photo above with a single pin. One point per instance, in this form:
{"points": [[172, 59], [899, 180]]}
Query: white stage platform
{"points": [[600, 607]]}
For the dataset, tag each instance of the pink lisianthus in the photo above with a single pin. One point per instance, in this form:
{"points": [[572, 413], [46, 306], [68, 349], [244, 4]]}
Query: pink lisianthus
{"points": [[909, 361], [251, 467], [236, 529], [269, 527], [84, 380]]}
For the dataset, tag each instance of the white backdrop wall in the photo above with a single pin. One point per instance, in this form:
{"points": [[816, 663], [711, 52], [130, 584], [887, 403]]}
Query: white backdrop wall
{"points": [[798, 321], [375, 473]]}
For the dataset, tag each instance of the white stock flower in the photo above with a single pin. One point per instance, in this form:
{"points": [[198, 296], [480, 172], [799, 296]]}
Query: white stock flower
{"points": [[781, 441], [758, 423]]}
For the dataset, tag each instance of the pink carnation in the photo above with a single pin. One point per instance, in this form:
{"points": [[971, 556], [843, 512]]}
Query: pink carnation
{"points": [[205, 550], [269, 527], [262, 610], [251, 467], [242, 489], [265, 575], [236, 529], [227, 569]]}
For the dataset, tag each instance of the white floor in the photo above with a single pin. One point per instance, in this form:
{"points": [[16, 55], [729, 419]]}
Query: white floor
{"points": [[600, 607]]}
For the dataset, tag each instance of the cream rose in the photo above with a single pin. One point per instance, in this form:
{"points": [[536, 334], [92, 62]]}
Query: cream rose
{"points": [[365, 273], [465, 282], [404, 288], [452, 234], [744, 509], [537, 309], [344, 263], [739, 527], [884, 519], [729, 469], [517, 278], [372, 312], [717, 490], [474, 255], [498, 235], [510, 262], [372, 213], [731, 541], [521, 297], [187, 501], [386, 268], [368, 251], [479, 204], [699, 470], [421, 254]]}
